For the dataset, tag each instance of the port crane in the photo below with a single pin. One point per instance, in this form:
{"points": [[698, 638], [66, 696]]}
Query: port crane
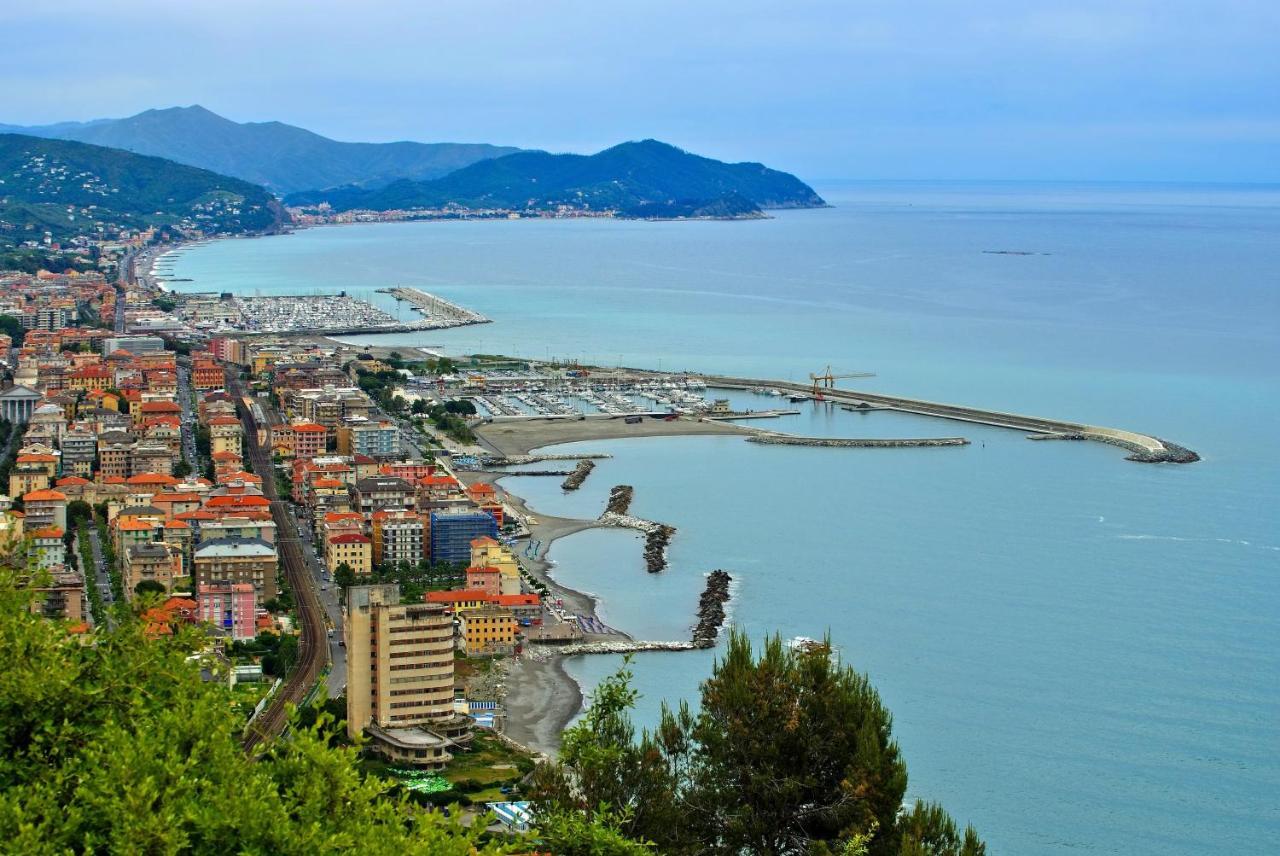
{"points": [[827, 380]]}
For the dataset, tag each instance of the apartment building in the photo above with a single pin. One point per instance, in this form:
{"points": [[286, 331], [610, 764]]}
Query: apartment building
{"points": [[400, 674]]}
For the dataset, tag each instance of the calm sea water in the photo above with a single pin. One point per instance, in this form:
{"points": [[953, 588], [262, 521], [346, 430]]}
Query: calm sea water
{"points": [[1082, 654]]}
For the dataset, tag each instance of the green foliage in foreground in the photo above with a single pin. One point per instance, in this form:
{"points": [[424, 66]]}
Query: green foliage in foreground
{"points": [[790, 753], [116, 746]]}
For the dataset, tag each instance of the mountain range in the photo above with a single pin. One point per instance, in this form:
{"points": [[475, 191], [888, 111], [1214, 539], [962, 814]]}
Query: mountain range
{"points": [[283, 158], [73, 189], [639, 179], [635, 179]]}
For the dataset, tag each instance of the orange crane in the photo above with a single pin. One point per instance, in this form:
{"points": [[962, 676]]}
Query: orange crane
{"points": [[827, 380]]}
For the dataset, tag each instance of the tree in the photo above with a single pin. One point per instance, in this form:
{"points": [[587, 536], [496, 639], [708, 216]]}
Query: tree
{"points": [[419, 405], [148, 587], [78, 510], [791, 752], [13, 327], [826, 765], [182, 469], [927, 830], [344, 575], [118, 746]]}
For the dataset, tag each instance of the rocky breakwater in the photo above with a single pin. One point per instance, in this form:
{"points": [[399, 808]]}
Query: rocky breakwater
{"points": [[655, 547], [579, 475], [622, 647], [857, 443], [657, 537], [1170, 453], [711, 609], [620, 499]]}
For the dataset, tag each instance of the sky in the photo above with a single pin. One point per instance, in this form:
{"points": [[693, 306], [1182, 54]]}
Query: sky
{"points": [[859, 89]]}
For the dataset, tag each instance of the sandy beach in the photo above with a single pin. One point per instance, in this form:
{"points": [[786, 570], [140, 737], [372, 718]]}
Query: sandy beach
{"points": [[520, 437]]}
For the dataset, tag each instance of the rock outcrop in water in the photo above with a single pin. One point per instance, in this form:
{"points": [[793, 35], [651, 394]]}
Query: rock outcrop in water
{"points": [[579, 475], [711, 609]]}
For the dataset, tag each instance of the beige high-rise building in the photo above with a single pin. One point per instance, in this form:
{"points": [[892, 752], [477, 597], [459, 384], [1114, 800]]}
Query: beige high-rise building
{"points": [[400, 676]]}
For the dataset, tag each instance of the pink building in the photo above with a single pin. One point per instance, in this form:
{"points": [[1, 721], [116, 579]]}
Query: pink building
{"points": [[230, 607]]}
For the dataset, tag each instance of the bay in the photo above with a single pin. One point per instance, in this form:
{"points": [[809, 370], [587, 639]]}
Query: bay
{"points": [[1081, 653]]}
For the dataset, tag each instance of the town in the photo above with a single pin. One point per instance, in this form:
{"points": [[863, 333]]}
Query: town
{"points": [[226, 482]]}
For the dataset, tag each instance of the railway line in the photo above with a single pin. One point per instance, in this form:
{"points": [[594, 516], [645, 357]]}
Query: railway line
{"points": [[313, 649]]}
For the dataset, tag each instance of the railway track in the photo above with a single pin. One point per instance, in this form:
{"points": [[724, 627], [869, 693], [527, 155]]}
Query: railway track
{"points": [[313, 648]]}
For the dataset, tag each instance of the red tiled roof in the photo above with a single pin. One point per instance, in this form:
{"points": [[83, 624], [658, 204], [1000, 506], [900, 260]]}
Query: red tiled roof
{"points": [[44, 495], [457, 596], [349, 538], [69, 481], [242, 499], [151, 478], [517, 599]]}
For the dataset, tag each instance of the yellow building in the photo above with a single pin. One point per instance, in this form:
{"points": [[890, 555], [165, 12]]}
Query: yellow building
{"points": [[225, 435], [488, 553], [488, 630], [351, 548]]}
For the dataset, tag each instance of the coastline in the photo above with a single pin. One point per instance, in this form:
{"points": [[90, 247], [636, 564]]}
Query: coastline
{"points": [[542, 698]]}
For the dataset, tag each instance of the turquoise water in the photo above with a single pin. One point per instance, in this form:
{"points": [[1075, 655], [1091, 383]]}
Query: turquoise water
{"points": [[1081, 653]]}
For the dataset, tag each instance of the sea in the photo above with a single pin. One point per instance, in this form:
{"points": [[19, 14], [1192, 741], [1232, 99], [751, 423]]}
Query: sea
{"points": [[1082, 654]]}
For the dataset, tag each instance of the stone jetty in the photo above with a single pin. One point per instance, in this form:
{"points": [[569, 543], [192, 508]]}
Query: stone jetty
{"points": [[620, 499], [579, 475], [622, 647], [1171, 454], [657, 537], [711, 609], [857, 443]]}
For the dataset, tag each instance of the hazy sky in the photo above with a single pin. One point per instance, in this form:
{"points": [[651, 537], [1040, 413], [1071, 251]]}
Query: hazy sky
{"points": [[1167, 90]]}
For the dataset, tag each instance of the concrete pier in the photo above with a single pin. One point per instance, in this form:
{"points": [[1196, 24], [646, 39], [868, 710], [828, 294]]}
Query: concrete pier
{"points": [[439, 313]]}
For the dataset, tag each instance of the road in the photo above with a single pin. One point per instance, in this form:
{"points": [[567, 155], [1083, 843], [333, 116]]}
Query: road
{"points": [[188, 419], [101, 578], [313, 643]]}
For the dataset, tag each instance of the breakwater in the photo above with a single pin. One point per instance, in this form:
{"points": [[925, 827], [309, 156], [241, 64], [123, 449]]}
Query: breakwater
{"points": [[1173, 453], [655, 547], [1143, 448], [711, 609], [622, 647], [620, 499], [579, 475], [516, 460], [657, 537], [856, 443]]}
